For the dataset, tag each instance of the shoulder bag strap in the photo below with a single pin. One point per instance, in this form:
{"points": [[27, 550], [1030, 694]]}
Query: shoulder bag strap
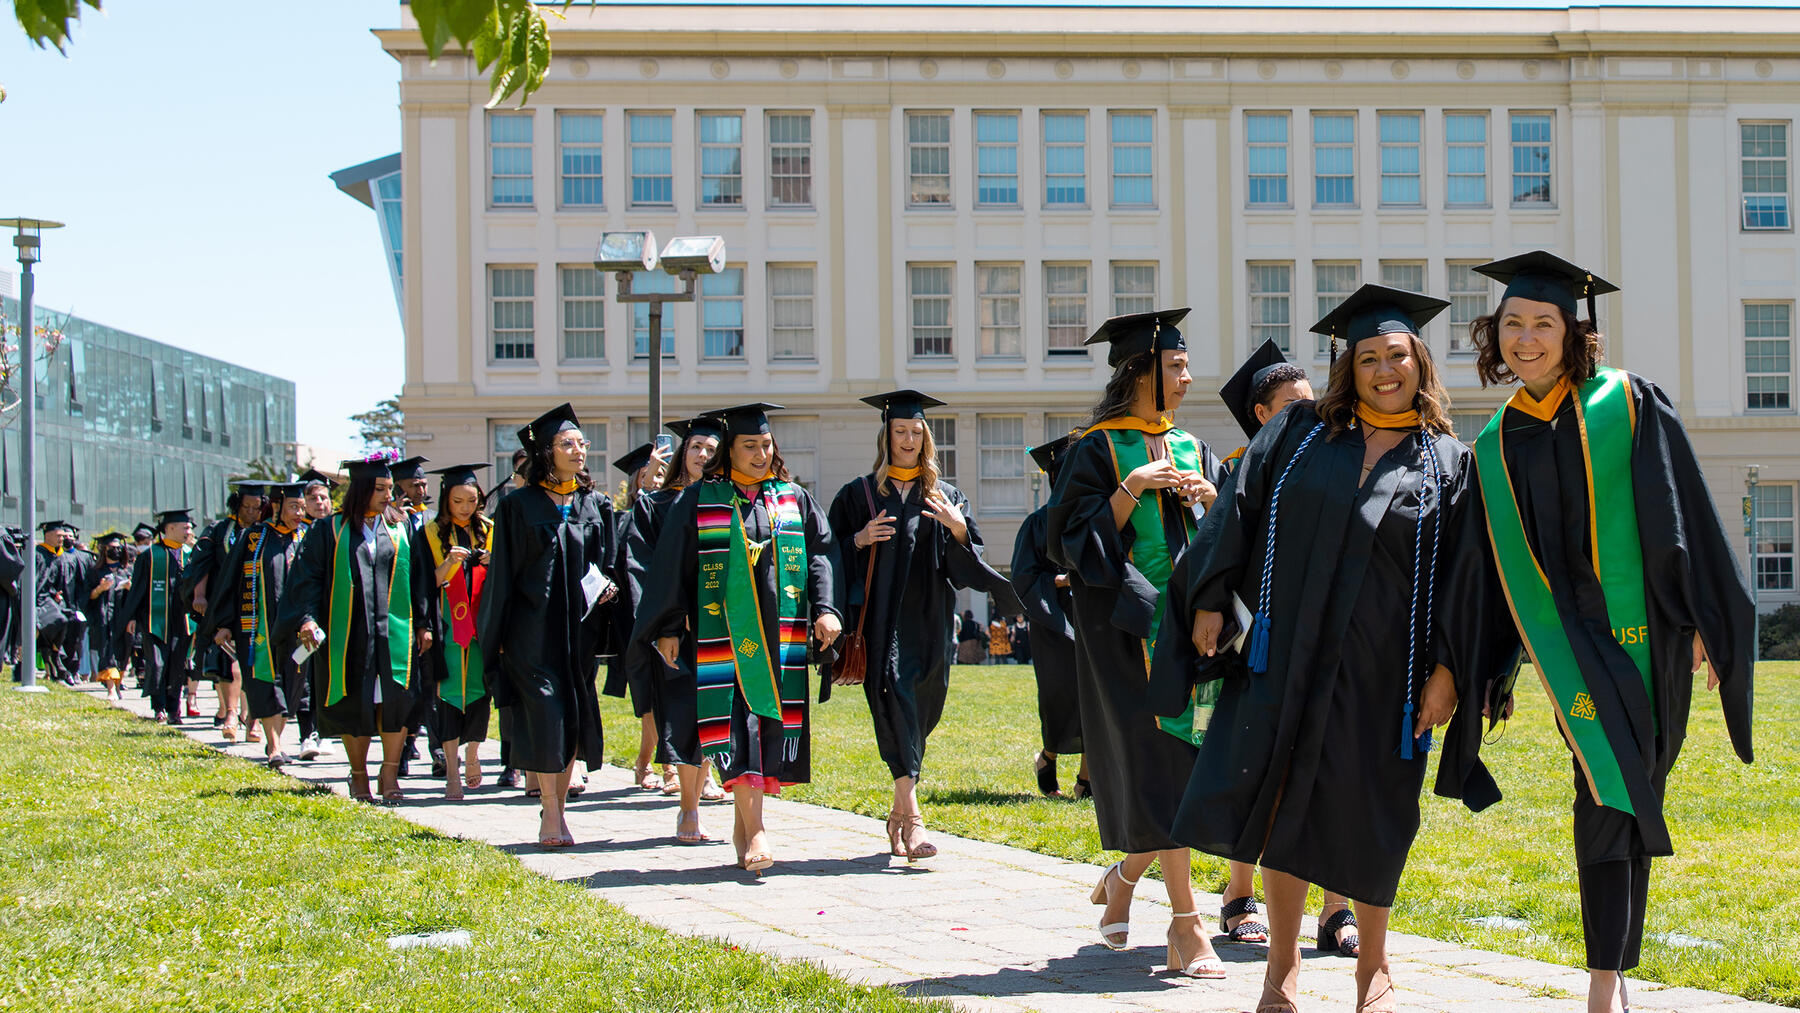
{"points": [[869, 577]]}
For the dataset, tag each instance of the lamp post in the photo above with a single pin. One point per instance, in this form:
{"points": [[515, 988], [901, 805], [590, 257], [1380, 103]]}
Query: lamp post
{"points": [[686, 257], [25, 240], [1750, 476], [1037, 481]]}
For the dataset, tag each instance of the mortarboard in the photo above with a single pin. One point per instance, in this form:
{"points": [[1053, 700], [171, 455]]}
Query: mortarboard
{"points": [[1136, 333], [374, 467], [110, 536], [901, 404], [52, 526], [1049, 456], [1377, 309], [287, 490], [1545, 277], [536, 436], [1243, 390], [458, 474], [699, 425], [313, 476], [409, 469], [143, 530], [748, 419], [176, 515], [631, 462], [251, 488]]}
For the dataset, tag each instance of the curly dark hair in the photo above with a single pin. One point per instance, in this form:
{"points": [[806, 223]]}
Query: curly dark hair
{"points": [[1278, 374], [1582, 350], [1337, 406]]}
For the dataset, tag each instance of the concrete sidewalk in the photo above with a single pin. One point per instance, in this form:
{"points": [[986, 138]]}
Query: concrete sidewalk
{"points": [[986, 926]]}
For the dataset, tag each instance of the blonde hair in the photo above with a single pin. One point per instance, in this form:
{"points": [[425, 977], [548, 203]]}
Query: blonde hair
{"points": [[928, 466]]}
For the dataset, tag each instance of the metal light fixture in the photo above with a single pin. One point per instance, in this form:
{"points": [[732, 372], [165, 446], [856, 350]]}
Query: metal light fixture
{"points": [[699, 254], [627, 252]]}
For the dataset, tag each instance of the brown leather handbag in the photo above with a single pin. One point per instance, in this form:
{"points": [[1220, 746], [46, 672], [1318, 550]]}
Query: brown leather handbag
{"points": [[853, 657]]}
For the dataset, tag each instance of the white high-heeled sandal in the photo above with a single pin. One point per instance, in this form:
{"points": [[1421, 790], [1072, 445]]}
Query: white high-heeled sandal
{"points": [[1211, 968], [1107, 931]]}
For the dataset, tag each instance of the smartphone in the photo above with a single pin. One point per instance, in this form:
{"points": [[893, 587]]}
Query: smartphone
{"points": [[665, 444]]}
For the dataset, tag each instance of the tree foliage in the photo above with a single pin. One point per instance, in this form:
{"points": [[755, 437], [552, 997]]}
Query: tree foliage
{"points": [[382, 427], [47, 22], [507, 38]]}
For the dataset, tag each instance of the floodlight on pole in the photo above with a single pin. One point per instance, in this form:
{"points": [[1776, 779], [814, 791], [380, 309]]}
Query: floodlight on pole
{"points": [[687, 257]]}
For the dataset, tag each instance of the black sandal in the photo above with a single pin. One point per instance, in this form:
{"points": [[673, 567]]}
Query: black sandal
{"points": [[1328, 941], [1082, 789], [1247, 928], [1045, 764]]}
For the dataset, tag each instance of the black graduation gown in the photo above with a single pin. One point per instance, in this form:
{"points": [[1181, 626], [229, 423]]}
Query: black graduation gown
{"points": [[12, 566], [469, 724], [1300, 768], [207, 562], [109, 650], [1691, 580], [307, 597], [60, 592], [637, 667], [166, 668], [910, 628], [671, 597], [540, 644], [1052, 638], [633, 552], [1136, 769], [225, 607]]}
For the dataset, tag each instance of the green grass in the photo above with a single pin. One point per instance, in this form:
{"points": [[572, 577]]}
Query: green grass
{"points": [[144, 872], [1735, 878]]}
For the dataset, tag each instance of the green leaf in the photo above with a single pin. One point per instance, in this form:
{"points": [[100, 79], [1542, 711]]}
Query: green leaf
{"points": [[468, 18], [434, 25], [524, 56], [47, 22]]}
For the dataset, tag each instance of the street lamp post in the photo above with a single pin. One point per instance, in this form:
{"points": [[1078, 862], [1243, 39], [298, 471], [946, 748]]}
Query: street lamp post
{"points": [[25, 240], [686, 257], [1750, 476]]}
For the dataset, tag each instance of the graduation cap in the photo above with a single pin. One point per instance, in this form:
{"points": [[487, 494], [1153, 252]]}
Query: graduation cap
{"points": [[287, 490], [1049, 456], [1245, 388], [249, 488], [630, 463], [1545, 277], [536, 436], [748, 419], [1377, 309], [408, 469], [313, 476], [49, 526], [457, 474], [699, 425], [371, 468], [110, 536], [901, 404], [176, 515], [1136, 333], [143, 531]]}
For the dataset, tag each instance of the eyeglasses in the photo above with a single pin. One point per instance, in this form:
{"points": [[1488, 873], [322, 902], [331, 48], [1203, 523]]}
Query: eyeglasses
{"points": [[573, 444]]}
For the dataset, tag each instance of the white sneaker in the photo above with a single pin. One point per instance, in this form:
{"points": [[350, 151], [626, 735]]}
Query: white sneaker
{"points": [[309, 747]]}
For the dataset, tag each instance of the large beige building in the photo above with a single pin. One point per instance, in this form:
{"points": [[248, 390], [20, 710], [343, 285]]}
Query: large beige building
{"points": [[951, 198]]}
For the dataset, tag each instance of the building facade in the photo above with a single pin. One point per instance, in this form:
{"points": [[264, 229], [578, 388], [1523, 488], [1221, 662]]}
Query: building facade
{"points": [[127, 426], [951, 198]]}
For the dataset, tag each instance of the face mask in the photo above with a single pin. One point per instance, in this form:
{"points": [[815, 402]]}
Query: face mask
{"points": [[115, 553]]}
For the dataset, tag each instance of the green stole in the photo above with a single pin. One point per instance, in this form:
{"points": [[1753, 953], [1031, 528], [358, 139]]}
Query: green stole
{"points": [[1150, 554], [399, 610], [159, 591], [730, 648], [1608, 419]]}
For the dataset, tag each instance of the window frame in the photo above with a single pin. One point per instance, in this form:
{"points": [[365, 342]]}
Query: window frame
{"points": [[703, 147], [1051, 300], [702, 300], [1384, 147], [986, 301], [564, 299], [563, 153], [1114, 146], [912, 147], [1001, 454], [528, 355], [976, 118], [772, 202], [1317, 147], [1046, 146], [633, 146], [775, 300], [1285, 146], [1549, 173], [1112, 277], [528, 117], [1461, 344], [1758, 539], [914, 299], [1262, 330], [1786, 305], [1451, 145], [1322, 348], [1787, 176]]}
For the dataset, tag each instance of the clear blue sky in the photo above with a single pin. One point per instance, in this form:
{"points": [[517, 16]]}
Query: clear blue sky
{"points": [[187, 146]]}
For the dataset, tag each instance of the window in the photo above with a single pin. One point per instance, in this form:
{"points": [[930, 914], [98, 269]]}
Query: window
{"points": [[1769, 355], [996, 160], [583, 315], [721, 159], [1066, 308], [159, 395], [997, 287], [178, 398], [1400, 159], [652, 281], [798, 441], [1065, 159], [578, 153], [722, 314], [510, 317], [1267, 159], [225, 412], [1465, 159], [206, 408], [1405, 275], [1134, 288], [77, 374], [1530, 158], [943, 436], [1470, 296], [1763, 161], [928, 290], [388, 199], [928, 158], [1133, 173], [652, 159], [1002, 480], [509, 159], [1058, 424], [1334, 160], [791, 311], [1774, 537], [790, 160], [1332, 283], [1272, 305]]}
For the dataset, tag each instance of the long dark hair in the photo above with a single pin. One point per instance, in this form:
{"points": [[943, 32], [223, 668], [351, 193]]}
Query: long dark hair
{"points": [[721, 464], [355, 504], [540, 468], [675, 475], [478, 524], [1337, 406], [1582, 351], [1121, 390]]}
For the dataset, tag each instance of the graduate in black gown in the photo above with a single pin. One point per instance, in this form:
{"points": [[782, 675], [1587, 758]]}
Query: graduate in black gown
{"points": [[1123, 508], [1352, 533], [546, 614], [641, 667], [1639, 585], [1043, 590], [644, 469], [241, 608], [12, 567], [354, 594], [205, 567], [108, 583], [914, 528], [454, 546], [155, 611], [770, 569], [61, 625]]}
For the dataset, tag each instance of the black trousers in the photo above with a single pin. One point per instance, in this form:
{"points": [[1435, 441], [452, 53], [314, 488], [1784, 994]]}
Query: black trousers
{"points": [[165, 672], [1612, 912]]}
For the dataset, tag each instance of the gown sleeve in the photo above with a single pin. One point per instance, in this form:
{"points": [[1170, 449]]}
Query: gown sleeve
{"points": [[427, 601], [304, 593], [966, 565], [135, 599], [847, 516], [1085, 542], [1034, 579], [498, 588], [824, 576], [669, 584], [221, 594]]}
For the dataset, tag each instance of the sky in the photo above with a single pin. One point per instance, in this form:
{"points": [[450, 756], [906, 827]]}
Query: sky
{"points": [[187, 146]]}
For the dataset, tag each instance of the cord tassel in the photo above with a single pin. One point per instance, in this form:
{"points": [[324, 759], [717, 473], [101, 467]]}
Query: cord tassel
{"points": [[1259, 643], [1406, 732]]}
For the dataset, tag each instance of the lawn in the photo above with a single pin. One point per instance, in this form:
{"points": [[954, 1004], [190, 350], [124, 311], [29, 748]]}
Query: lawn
{"points": [[1731, 893], [145, 872]]}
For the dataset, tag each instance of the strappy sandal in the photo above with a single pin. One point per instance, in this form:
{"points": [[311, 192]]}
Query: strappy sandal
{"points": [[922, 850], [1083, 789], [360, 796], [1209, 967], [647, 780], [1045, 767], [671, 784], [896, 825], [1380, 1000], [1249, 930], [758, 861], [1276, 999], [393, 794], [1330, 942], [1120, 929], [711, 792], [684, 836]]}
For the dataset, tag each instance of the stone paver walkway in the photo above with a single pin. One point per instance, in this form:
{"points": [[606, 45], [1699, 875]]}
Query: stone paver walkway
{"points": [[986, 926]]}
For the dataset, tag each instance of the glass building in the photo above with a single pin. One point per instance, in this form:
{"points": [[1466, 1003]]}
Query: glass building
{"points": [[127, 426]]}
